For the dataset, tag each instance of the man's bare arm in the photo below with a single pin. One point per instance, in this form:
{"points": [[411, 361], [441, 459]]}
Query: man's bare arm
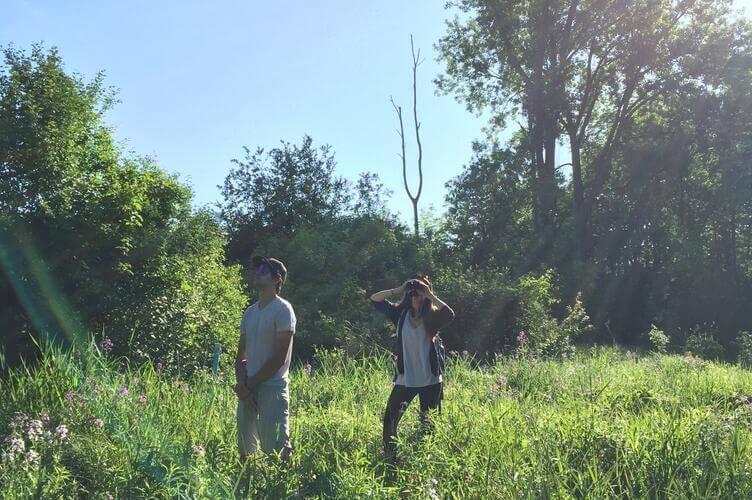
{"points": [[241, 360]]}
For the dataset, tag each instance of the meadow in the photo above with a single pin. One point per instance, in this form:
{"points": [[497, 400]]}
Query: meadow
{"points": [[602, 423]]}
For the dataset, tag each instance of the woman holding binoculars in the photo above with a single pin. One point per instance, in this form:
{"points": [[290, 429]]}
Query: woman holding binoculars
{"points": [[419, 353]]}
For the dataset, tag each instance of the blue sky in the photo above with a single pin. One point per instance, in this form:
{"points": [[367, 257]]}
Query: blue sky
{"points": [[199, 80]]}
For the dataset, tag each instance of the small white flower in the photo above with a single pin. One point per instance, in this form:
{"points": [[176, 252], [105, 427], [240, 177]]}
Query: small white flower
{"points": [[35, 430], [61, 431], [17, 444], [7, 457], [32, 457]]}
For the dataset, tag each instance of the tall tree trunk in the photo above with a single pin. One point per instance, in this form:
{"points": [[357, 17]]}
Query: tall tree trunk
{"points": [[578, 197]]}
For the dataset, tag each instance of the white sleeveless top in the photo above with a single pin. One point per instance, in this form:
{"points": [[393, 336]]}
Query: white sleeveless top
{"points": [[416, 346]]}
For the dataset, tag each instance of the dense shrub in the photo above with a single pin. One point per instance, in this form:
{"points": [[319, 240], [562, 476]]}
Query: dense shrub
{"points": [[657, 340], [702, 342], [92, 239], [744, 343]]}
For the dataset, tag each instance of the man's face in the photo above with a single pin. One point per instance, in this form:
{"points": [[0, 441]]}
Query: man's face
{"points": [[263, 278]]}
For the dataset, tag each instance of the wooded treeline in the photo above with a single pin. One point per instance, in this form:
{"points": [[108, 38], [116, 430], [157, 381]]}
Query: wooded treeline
{"points": [[647, 219]]}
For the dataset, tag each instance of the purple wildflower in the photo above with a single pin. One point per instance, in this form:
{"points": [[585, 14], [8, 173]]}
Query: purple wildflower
{"points": [[98, 422], [142, 399], [465, 353], [308, 369], [69, 396], [521, 337], [123, 391], [198, 449], [45, 418], [107, 344], [7, 457]]}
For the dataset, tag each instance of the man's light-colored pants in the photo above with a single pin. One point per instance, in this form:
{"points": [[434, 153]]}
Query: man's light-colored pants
{"points": [[268, 426]]}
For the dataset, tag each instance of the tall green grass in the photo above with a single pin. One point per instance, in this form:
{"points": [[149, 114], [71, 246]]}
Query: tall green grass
{"points": [[600, 424]]}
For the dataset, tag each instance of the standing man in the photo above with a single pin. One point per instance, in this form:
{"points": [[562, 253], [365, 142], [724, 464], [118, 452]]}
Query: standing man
{"points": [[263, 363]]}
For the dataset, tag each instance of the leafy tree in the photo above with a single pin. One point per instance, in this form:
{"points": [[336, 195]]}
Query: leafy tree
{"points": [[583, 68], [276, 192], [92, 240], [489, 213]]}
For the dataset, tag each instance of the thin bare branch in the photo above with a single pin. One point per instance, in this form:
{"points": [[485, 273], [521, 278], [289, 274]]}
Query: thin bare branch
{"points": [[415, 119], [398, 110]]}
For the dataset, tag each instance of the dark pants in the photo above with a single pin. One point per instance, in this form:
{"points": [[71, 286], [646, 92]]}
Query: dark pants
{"points": [[401, 396]]}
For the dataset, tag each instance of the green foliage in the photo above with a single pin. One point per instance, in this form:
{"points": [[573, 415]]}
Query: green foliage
{"points": [[702, 342], [576, 325], [183, 301], [489, 217], [657, 426], [652, 221], [542, 333], [274, 193], [744, 341], [91, 239], [484, 303], [658, 340]]}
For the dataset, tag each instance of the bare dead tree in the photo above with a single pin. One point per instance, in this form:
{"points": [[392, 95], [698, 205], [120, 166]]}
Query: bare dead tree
{"points": [[398, 109]]}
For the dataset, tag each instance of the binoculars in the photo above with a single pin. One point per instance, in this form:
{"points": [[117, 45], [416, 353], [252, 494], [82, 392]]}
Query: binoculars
{"points": [[415, 286]]}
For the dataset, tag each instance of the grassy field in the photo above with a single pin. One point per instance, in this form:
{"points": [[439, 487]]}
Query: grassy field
{"points": [[603, 423]]}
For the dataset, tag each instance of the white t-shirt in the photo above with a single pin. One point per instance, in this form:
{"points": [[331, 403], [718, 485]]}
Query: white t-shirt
{"points": [[260, 325], [416, 346]]}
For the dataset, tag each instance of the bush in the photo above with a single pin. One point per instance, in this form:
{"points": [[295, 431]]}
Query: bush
{"points": [[657, 339], [744, 341], [182, 302], [702, 342], [96, 240], [485, 304], [540, 333], [576, 324]]}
